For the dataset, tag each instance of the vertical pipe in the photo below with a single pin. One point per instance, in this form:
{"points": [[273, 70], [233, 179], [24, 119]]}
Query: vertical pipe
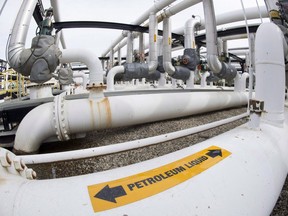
{"points": [[169, 68], [153, 39], [211, 36], [129, 55], [141, 48], [270, 71]]}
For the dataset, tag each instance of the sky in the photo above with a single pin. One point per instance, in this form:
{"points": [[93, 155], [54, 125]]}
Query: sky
{"points": [[98, 40]]}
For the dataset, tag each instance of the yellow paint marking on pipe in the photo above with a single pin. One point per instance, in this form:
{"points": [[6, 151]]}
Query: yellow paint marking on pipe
{"points": [[119, 192], [155, 38]]}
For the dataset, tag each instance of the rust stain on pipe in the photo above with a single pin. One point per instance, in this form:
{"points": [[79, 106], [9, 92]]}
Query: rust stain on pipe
{"points": [[101, 114]]}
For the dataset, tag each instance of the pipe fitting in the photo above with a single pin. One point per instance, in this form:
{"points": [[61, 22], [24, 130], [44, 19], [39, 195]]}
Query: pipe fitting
{"points": [[40, 61], [19, 164], [60, 122], [190, 59], [227, 72], [30, 174], [139, 71], [182, 73], [5, 158]]}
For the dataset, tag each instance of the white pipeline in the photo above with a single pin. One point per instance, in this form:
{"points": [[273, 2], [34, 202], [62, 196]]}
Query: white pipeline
{"points": [[270, 71], [119, 147], [257, 158], [117, 111]]}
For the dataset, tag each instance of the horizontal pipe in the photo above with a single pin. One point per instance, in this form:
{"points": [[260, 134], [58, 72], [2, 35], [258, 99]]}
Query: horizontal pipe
{"points": [[155, 8], [119, 111], [258, 159], [119, 147]]}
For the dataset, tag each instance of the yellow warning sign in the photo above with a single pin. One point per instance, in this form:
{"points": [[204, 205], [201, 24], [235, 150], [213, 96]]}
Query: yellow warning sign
{"points": [[108, 195]]}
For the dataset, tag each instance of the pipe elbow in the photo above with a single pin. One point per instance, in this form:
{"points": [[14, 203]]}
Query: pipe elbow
{"points": [[214, 63], [152, 66], [111, 75], [33, 130], [87, 57], [14, 53], [169, 68]]}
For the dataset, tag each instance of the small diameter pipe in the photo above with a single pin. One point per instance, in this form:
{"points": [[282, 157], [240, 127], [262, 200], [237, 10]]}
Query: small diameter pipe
{"points": [[125, 146], [111, 75], [203, 79], [87, 57]]}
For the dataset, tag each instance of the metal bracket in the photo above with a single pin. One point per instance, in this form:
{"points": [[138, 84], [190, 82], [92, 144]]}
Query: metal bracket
{"points": [[256, 106]]}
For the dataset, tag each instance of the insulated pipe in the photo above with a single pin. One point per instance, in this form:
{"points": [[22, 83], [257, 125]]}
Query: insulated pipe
{"points": [[120, 147], [253, 165], [270, 71], [19, 33], [111, 75], [155, 8], [117, 111], [56, 15], [170, 11], [129, 55], [189, 32], [153, 40], [167, 40], [211, 37], [232, 16], [87, 57]]}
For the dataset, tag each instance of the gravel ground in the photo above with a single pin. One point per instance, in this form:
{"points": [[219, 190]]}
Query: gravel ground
{"points": [[106, 137]]}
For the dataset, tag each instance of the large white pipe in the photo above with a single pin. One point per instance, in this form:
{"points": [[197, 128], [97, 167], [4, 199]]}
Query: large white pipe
{"points": [[87, 57], [255, 170], [155, 8], [19, 32], [117, 111], [232, 16], [270, 71]]}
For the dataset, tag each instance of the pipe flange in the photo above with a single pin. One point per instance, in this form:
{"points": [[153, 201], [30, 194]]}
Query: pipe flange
{"points": [[60, 120]]}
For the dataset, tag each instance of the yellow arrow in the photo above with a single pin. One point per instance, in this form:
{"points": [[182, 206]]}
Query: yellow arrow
{"points": [[112, 194]]}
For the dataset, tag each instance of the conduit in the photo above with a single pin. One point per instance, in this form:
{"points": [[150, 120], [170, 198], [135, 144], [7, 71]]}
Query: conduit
{"points": [[119, 147], [118, 111]]}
